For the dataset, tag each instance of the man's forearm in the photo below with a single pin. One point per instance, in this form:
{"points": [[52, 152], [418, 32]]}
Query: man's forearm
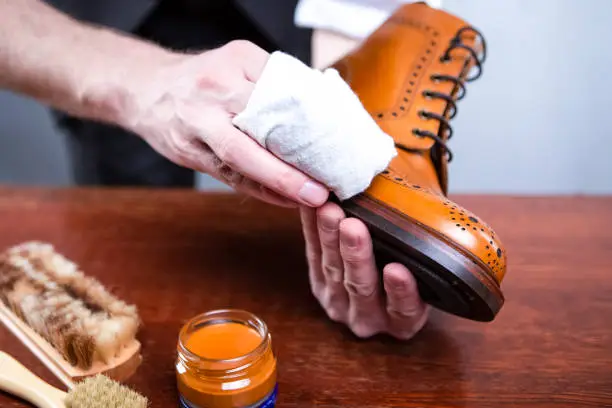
{"points": [[72, 66]]}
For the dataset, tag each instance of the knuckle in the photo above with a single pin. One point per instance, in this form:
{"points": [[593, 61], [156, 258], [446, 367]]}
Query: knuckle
{"points": [[332, 272], [235, 179], [406, 312], [398, 288], [355, 257], [173, 154], [179, 144], [312, 257], [228, 152], [239, 46], [285, 182], [232, 178], [361, 289], [218, 164], [329, 242], [329, 224], [333, 297], [180, 149], [214, 84], [411, 309]]}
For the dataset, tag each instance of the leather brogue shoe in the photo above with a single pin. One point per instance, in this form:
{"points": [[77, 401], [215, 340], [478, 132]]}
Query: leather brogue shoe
{"points": [[410, 74]]}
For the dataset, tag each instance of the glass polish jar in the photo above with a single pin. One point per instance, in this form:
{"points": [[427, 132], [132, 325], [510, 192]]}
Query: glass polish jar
{"points": [[225, 360]]}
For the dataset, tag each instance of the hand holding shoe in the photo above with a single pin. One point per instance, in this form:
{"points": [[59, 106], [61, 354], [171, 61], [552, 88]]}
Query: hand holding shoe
{"points": [[345, 280]]}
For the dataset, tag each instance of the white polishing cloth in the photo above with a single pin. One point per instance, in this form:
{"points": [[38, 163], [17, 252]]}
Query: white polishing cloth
{"points": [[312, 120]]}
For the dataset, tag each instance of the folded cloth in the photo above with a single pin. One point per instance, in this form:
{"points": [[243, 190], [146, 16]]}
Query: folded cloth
{"points": [[312, 120]]}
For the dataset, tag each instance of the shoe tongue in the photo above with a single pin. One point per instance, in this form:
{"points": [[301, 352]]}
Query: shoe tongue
{"points": [[393, 67]]}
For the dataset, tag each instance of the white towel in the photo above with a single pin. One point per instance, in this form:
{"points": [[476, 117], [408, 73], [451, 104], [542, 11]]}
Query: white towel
{"points": [[312, 120]]}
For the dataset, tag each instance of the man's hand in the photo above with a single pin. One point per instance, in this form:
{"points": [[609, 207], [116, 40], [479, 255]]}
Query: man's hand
{"points": [[181, 104], [345, 280], [185, 110]]}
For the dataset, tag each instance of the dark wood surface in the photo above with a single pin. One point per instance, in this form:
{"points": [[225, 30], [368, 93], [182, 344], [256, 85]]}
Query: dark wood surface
{"points": [[176, 254]]}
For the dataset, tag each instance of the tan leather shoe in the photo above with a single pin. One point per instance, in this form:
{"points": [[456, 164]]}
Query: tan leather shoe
{"points": [[409, 74]]}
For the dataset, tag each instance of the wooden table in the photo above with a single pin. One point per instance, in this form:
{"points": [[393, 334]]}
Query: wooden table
{"points": [[176, 254]]}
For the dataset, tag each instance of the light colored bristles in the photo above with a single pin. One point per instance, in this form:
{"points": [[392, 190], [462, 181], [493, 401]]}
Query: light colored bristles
{"points": [[102, 392], [73, 312]]}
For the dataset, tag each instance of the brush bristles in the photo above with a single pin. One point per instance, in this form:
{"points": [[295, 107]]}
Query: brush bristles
{"points": [[73, 312], [102, 392]]}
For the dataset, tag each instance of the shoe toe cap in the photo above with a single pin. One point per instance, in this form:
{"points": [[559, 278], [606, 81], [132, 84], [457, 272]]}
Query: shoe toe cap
{"points": [[456, 224]]}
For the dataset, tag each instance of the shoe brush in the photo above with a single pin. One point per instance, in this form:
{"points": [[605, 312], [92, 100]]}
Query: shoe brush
{"points": [[94, 392], [68, 320]]}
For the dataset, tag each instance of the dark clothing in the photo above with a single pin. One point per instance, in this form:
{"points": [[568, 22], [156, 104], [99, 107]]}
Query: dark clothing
{"points": [[106, 155]]}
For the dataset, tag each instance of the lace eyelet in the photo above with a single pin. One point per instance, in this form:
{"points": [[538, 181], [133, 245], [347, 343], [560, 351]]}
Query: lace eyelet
{"points": [[423, 115]]}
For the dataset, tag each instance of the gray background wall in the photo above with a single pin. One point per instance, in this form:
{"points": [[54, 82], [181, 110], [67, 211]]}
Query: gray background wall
{"points": [[536, 122]]}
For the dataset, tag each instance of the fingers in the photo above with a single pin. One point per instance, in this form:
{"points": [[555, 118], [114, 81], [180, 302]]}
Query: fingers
{"points": [[339, 247], [250, 188], [360, 279], [273, 198], [245, 156], [329, 217], [335, 300], [198, 156], [246, 186], [253, 58], [406, 311], [313, 249], [240, 98]]}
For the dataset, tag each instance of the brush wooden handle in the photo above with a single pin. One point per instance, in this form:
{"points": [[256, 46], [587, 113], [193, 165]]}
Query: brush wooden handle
{"points": [[19, 381]]}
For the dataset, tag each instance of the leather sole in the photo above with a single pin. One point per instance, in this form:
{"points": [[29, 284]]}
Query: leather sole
{"points": [[448, 278]]}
